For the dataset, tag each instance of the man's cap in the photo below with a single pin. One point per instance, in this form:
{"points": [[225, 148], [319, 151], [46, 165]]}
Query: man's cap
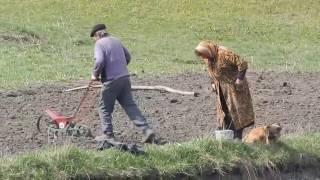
{"points": [[96, 28]]}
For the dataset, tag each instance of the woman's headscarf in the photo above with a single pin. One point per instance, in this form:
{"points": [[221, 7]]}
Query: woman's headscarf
{"points": [[208, 49]]}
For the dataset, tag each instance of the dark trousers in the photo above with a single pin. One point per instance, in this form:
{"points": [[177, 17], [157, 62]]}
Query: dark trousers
{"points": [[120, 90], [228, 122]]}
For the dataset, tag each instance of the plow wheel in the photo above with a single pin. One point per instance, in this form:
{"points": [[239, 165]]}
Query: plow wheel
{"points": [[78, 130], [71, 130]]}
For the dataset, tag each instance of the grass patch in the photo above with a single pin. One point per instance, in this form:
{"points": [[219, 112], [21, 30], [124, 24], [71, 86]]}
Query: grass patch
{"points": [[48, 40], [192, 159]]}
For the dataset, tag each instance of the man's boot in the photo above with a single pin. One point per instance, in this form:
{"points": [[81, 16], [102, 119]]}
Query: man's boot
{"points": [[149, 136], [105, 137]]}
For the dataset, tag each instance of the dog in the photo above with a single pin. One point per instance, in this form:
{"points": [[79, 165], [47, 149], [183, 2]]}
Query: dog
{"points": [[266, 134]]}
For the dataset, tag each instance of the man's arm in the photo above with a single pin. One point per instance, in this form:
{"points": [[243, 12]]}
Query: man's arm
{"points": [[127, 54], [99, 62]]}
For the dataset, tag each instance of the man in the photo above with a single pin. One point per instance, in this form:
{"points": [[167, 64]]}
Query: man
{"points": [[111, 60], [227, 71]]}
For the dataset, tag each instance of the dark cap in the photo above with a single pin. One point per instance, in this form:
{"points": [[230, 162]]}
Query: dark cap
{"points": [[96, 28]]}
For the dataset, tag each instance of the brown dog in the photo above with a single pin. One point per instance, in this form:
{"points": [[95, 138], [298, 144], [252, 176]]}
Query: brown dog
{"points": [[265, 134]]}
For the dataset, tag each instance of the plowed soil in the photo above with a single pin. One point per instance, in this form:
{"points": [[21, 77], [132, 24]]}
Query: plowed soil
{"points": [[293, 100]]}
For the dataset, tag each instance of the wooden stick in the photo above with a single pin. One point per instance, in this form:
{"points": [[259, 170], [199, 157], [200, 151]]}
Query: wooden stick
{"points": [[159, 88], [81, 87], [164, 88]]}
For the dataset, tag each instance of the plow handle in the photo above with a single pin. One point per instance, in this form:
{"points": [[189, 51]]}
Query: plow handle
{"points": [[82, 99]]}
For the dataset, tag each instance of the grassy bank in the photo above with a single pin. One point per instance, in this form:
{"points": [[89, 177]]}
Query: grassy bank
{"points": [[191, 158], [48, 40]]}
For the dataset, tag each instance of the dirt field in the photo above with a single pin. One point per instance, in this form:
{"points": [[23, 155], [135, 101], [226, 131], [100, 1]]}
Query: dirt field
{"points": [[291, 99]]}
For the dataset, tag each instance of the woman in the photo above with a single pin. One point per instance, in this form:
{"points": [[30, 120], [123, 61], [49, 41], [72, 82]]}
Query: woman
{"points": [[227, 71]]}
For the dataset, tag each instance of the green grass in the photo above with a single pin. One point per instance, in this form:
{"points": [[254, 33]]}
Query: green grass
{"points": [[281, 35], [47, 40], [193, 158]]}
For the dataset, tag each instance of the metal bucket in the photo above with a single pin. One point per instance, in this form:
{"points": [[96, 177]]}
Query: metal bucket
{"points": [[224, 134]]}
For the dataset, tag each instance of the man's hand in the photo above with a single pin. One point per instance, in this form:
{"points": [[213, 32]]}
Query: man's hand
{"points": [[239, 84], [94, 78]]}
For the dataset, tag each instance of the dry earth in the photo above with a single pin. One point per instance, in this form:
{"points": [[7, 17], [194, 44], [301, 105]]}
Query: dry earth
{"points": [[291, 99]]}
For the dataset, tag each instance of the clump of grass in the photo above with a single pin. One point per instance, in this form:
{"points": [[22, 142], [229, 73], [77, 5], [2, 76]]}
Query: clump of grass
{"points": [[193, 159]]}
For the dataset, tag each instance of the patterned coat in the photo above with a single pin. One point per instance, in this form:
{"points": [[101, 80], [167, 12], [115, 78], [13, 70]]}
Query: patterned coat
{"points": [[223, 72]]}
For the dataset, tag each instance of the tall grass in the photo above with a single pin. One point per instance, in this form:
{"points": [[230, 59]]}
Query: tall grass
{"points": [[193, 159], [280, 35]]}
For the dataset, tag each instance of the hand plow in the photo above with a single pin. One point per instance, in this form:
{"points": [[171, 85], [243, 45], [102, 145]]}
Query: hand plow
{"points": [[66, 125]]}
